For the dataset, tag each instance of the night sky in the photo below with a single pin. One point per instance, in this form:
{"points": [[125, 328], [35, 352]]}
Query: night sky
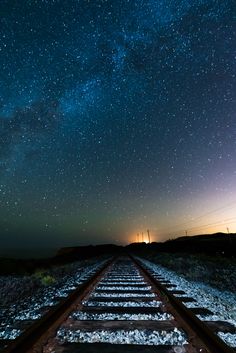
{"points": [[116, 116]]}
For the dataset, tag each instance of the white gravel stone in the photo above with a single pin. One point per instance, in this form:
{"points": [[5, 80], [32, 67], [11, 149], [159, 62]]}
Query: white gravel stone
{"points": [[110, 316], [109, 283], [33, 307], [121, 279], [122, 295], [228, 338], [153, 303], [192, 305], [145, 337], [123, 275], [221, 303], [9, 333], [28, 315], [124, 288]]}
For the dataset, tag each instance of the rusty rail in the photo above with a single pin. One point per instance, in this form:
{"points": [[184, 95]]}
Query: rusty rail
{"points": [[201, 338], [33, 334], [211, 341]]}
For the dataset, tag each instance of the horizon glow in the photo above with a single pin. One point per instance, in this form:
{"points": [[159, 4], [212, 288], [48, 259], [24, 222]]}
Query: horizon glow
{"points": [[116, 117]]}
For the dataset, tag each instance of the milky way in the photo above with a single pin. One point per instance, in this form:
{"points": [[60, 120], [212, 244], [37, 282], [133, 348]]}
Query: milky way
{"points": [[115, 116]]}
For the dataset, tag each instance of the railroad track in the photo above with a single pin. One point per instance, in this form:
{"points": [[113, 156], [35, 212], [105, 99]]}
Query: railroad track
{"points": [[123, 308]]}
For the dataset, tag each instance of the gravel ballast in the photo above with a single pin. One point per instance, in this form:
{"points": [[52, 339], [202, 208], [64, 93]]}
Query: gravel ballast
{"points": [[125, 288], [153, 303], [110, 316], [33, 306], [122, 295], [143, 337], [221, 303]]}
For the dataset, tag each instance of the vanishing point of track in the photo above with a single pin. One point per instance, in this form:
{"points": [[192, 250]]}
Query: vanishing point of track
{"points": [[123, 286]]}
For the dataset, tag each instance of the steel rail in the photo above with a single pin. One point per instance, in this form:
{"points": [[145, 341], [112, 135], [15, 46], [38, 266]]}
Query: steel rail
{"points": [[201, 338], [211, 341], [33, 334]]}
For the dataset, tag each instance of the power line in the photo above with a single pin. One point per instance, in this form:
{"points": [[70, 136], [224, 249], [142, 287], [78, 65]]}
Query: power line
{"points": [[202, 216], [209, 225], [222, 224]]}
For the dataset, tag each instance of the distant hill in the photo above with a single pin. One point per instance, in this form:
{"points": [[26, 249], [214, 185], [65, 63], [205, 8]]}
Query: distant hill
{"points": [[218, 243], [83, 252], [203, 237], [64, 255], [212, 244]]}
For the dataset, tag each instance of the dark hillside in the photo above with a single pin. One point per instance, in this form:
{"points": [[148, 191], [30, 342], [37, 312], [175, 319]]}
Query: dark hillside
{"points": [[211, 244]]}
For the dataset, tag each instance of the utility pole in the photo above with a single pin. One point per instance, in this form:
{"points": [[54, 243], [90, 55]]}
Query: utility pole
{"points": [[227, 230], [142, 237], [186, 233], [148, 236], [138, 237]]}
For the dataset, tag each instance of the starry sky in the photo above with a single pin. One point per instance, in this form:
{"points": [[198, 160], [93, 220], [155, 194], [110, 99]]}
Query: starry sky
{"points": [[116, 116]]}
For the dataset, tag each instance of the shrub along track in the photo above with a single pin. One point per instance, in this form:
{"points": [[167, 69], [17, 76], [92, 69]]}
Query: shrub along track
{"points": [[123, 308]]}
